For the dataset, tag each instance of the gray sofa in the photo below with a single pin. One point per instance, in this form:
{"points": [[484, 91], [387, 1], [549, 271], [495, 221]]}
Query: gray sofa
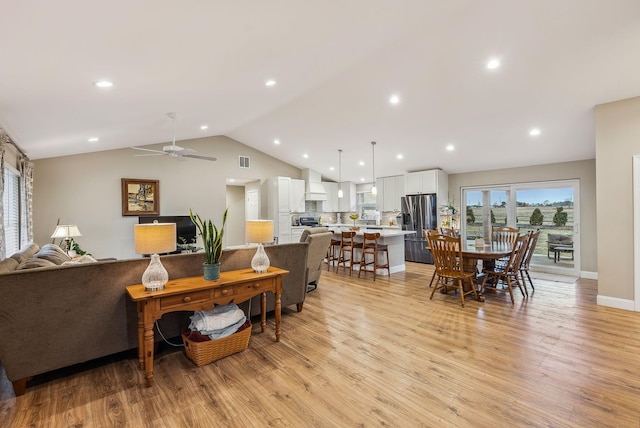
{"points": [[57, 316]]}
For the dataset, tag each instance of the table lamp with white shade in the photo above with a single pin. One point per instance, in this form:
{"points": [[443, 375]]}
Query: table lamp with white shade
{"points": [[66, 232], [154, 238], [259, 232]]}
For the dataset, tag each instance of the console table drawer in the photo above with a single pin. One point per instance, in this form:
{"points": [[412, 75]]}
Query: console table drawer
{"points": [[259, 285], [223, 292], [196, 296]]}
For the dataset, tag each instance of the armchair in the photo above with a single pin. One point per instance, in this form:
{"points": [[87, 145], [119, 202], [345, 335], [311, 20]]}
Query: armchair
{"points": [[319, 239]]}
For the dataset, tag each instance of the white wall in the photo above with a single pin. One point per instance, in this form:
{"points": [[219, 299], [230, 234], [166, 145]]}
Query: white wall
{"points": [[85, 189], [617, 141]]}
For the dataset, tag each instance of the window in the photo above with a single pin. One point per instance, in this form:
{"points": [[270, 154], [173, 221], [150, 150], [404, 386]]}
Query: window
{"points": [[551, 206], [365, 202], [11, 206]]}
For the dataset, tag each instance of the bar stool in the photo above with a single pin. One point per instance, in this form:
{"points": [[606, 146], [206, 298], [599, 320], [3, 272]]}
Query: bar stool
{"points": [[332, 252], [347, 245], [371, 248]]}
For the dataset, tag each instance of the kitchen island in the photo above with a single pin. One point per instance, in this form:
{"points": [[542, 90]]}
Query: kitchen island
{"points": [[392, 237]]}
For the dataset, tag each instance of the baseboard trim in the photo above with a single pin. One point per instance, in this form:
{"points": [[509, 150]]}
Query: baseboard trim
{"points": [[615, 302], [588, 275]]}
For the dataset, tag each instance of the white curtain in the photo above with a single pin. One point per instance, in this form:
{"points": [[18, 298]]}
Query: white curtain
{"points": [[26, 208], [4, 139]]}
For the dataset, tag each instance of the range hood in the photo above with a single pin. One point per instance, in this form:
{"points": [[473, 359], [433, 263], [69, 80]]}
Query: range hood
{"points": [[314, 190]]}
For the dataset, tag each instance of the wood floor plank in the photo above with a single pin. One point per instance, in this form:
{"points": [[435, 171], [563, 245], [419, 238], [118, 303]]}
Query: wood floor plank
{"points": [[365, 353]]}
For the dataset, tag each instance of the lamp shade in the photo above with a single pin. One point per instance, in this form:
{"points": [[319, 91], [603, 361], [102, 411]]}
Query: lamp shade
{"points": [[259, 231], [154, 238], [66, 231]]}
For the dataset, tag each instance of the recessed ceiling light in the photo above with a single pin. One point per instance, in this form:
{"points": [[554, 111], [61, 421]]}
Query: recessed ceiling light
{"points": [[276, 141], [203, 127], [306, 156], [534, 132], [361, 163], [493, 63], [103, 84], [93, 139], [394, 99], [450, 147], [362, 179], [232, 180], [270, 82], [399, 156], [331, 168]]}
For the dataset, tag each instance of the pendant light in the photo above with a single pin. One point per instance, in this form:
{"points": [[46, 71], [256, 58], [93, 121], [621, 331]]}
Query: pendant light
{"points": [[374, 191], [340, 194]]}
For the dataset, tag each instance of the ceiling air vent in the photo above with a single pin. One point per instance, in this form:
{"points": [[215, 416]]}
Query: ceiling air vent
{"points": [[243, 161]]}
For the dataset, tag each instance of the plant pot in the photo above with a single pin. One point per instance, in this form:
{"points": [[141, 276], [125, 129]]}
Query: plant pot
{"points": [[211, 271]]}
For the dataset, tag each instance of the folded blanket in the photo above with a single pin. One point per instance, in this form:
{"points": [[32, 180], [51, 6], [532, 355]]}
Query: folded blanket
{"points": [[219, 334], [196, 336], [218, 318]]}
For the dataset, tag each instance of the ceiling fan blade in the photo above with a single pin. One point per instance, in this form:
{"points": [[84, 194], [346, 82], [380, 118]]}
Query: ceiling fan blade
{"points": [[209, 158], [148, 150], [151, 154]]}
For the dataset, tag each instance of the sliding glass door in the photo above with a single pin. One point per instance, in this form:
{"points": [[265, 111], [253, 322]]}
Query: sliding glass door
{"points": [[552, 207]]}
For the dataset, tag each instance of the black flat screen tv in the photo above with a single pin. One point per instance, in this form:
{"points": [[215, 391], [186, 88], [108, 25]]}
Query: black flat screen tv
{"points": [[184, 227]]}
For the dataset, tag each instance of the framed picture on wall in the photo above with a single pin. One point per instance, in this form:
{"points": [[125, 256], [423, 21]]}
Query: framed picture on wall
{"points": [[140, 197]]}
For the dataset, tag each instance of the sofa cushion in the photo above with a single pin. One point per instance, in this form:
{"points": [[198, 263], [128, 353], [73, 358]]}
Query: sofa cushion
{"points": [[35, 262], [7, 265], [26, 252], [52, 253]]}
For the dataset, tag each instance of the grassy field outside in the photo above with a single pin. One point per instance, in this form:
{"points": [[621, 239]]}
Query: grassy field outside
{"points": [[523, 215]]}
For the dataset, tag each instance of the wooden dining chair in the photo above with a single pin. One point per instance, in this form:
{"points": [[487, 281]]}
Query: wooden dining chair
{"points": [[425, 234], [449, 231], [447, 256], [526, 260], [504, 234], [510, 272]]}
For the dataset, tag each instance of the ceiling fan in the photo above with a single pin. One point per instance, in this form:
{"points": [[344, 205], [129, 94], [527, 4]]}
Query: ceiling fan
{"points": [[173, 150]]}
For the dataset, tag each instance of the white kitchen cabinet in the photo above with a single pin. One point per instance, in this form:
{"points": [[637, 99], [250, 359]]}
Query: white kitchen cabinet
{"points": [[393, 190], [331, 204], [431, 181], [380, 195], [279, 206], [283, 228], [297, 196], [334, 204], [348, 202], [390, 190]]}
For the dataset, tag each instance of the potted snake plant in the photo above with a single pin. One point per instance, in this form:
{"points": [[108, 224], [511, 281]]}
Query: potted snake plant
{"points": [[212, 243]]}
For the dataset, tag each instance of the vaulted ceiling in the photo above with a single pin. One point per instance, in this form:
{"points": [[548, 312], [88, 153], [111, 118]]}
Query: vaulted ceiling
{"points": [[336, 65]]}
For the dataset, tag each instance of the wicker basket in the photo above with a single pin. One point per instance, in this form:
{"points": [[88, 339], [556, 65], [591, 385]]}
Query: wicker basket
{"points": [[209, 351]]}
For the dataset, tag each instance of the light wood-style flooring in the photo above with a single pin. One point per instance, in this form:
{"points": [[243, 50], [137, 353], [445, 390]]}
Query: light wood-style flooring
{"points": [[365, 353]]}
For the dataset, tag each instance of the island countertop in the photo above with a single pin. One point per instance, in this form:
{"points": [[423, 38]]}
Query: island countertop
{"points": [[383, 231]]}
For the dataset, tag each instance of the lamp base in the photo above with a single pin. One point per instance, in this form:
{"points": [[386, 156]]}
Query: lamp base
{"points": [[260, 261], [156, 276]]}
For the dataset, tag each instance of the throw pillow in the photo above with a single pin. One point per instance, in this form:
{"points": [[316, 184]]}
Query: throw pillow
{"points": [[35, 262], [26, 252], [52, 253]]}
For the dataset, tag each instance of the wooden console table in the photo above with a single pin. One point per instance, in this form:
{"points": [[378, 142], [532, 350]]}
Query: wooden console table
{"points": [[193, 294]]}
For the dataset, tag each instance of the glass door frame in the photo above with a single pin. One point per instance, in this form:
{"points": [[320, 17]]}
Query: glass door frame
{"points": [[511, 215]]}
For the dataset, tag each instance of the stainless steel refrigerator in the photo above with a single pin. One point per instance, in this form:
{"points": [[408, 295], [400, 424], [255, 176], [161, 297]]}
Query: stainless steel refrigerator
{"points": [[418, 212]]}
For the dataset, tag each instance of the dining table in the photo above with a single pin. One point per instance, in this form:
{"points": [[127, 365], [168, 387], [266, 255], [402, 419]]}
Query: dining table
{"points": [[489, 252]]}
